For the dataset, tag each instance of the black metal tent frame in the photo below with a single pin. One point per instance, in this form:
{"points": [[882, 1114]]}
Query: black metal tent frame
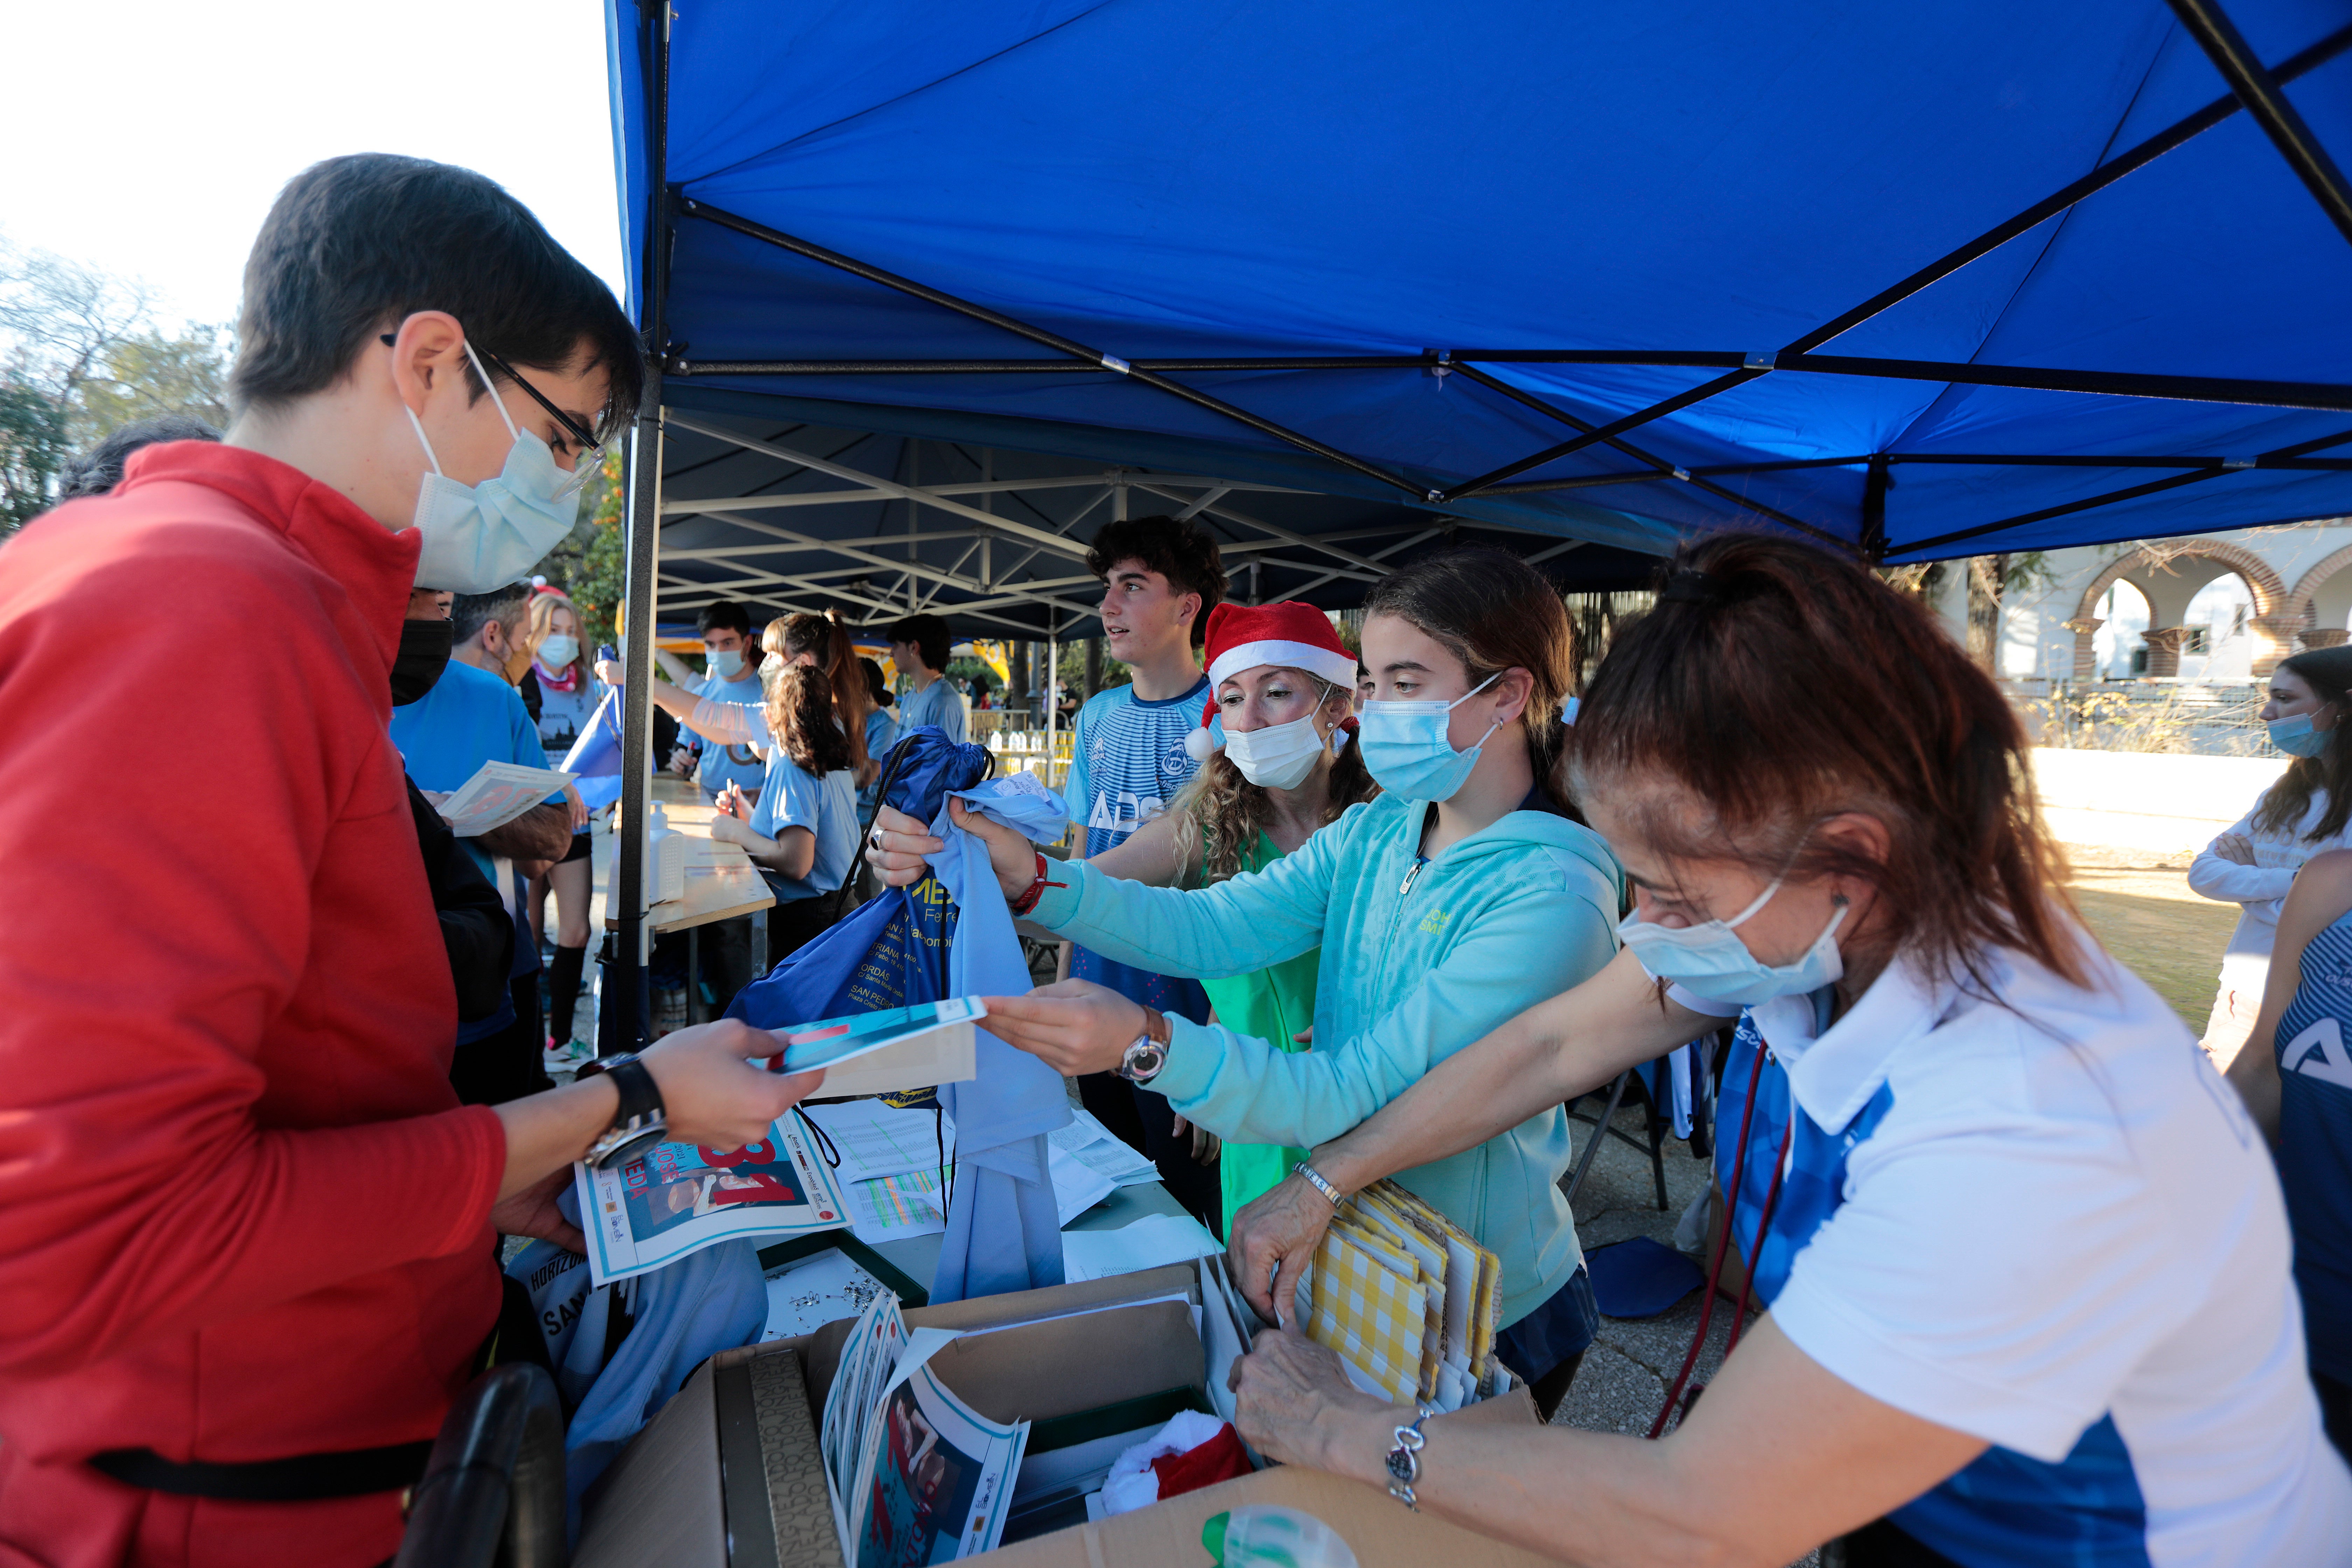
{"points": [[2254, 87]]}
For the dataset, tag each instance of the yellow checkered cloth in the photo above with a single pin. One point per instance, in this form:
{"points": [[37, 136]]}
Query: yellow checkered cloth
{"points": [[1361, 1307]]}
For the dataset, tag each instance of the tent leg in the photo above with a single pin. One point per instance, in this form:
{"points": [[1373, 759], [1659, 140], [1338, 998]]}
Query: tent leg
{"points": [[632, 950]]}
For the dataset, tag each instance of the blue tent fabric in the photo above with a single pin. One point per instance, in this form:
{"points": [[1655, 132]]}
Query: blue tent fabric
{"points": [[1639, 1279], [1203, 179]]}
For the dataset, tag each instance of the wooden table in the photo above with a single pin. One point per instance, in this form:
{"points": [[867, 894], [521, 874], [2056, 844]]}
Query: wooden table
{"points": [[721, 882]]}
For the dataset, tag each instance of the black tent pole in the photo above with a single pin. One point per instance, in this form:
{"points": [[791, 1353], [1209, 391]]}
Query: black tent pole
{"points": [[2205, 22], [626, 890]]}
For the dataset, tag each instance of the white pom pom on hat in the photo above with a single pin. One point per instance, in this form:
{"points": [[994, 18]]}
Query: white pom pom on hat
{"points": [[1201, 743]]}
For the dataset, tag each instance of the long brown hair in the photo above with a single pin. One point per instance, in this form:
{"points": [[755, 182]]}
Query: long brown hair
{"points": [[1780, 685], [800, 716], [1493, 612], [2328, 672], [825, 637], [1220, 814]]}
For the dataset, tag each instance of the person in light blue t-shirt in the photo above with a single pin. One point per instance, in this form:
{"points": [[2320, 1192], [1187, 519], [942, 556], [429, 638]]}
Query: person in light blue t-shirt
{"points": [[733, 676], [803, 834], [919, 646], [472, 715], [881, 734]]}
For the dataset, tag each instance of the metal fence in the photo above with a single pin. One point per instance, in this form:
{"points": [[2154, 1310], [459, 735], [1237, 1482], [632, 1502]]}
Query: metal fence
{"points": [[2197, 718]]}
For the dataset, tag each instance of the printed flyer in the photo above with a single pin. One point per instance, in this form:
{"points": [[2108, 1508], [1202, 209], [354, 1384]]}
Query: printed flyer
{"points": [[677, 1198]]}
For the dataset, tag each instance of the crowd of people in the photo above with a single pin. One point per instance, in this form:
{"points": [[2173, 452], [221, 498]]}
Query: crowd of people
{"points": [[1330, 913]]}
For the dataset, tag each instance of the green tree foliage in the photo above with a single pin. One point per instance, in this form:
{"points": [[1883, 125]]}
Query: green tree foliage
{"points": [[81, 344], [591, 564], [32, 446]]}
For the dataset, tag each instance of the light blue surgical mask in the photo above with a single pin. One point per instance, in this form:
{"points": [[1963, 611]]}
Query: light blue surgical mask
{"points": [[478, 538], [1406, 748], [1709, 960], [556, 650], [726, 664], [2296, 738]]}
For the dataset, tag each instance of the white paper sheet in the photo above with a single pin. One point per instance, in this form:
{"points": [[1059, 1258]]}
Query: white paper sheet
{"points": [[879, 1140], [497, 795], [892, 1208], [1090, 1143], [1076, 1187], [1149, 1243], [810, 1292]]}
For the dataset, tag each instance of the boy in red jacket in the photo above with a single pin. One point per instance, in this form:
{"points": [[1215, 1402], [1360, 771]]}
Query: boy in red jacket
{"points": [[246, 1229]]}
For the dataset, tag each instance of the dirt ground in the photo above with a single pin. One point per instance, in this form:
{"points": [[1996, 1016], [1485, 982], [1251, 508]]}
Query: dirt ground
{"points": [[2148, 917]]}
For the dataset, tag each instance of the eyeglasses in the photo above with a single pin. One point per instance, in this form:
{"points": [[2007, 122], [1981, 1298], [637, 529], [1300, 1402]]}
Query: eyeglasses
{"points": [[591, 451]]}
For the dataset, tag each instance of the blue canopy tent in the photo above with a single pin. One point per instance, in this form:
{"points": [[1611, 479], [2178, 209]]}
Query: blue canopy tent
{"points": [[933, 283]]}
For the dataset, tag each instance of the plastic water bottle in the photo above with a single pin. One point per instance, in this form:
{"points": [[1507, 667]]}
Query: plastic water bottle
{"points": [[1263, 1536], [665, 856]]}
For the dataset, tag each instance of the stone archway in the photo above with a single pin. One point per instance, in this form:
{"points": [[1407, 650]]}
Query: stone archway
{"points": [[2303, 595], [2278, 615]]}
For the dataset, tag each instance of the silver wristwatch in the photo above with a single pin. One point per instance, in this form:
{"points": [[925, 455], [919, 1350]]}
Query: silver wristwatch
{"points": [[1147, 1052]]}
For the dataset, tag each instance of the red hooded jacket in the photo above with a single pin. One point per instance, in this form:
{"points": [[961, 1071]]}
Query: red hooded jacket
{"points": [[242, 1214]]}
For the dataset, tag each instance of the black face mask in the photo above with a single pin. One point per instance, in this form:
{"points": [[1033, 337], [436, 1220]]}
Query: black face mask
{"points": [[424, 655]]}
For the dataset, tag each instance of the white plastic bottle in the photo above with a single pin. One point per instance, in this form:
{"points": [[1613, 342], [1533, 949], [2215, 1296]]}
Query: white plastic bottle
{"points": [[1263, 1536], [665, 856]]}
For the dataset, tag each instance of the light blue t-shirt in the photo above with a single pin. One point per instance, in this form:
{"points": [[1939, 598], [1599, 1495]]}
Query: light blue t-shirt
{"points": [[794, 798], [1128, 760], [881, 734], [471, 717], [723, 764], [935, 704]]}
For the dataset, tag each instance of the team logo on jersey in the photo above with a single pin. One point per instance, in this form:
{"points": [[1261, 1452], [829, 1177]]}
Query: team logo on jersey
{"points": [[2318, 1052], [1175, 760], [1123, 811]]}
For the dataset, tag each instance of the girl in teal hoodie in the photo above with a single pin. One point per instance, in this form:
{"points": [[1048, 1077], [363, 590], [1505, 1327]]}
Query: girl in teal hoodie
{"points": [[1466, 893]]}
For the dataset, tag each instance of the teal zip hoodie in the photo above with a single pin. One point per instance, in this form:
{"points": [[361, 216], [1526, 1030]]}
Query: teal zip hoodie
{"points": [[1420, 958]]}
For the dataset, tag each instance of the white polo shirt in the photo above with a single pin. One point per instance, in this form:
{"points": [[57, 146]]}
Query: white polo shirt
{"points": [[2046, 1222]]}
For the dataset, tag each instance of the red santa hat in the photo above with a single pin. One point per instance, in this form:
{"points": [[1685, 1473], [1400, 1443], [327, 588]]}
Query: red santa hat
{"points": [[1289, 634]]}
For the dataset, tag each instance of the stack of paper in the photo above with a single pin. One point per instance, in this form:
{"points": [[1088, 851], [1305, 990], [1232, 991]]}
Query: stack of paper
{"points": [[914, 1474], [1089, 1142], [1408, 1299], [1152, 1242], [678, 1198], [889, 1162]]}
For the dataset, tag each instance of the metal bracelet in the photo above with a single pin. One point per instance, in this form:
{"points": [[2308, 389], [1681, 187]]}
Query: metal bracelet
{"points": [[1404, 1459], [1315, 1180]]}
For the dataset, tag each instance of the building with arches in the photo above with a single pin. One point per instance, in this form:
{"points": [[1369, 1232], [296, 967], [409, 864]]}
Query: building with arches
{"points": [[2216, 606]]}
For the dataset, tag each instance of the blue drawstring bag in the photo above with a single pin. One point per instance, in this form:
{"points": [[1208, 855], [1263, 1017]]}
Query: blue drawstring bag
{"points": [[919, 944]]}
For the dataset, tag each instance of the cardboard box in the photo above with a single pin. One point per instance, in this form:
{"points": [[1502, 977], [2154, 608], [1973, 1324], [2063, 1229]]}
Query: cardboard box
{"points": [[730, 1475]]}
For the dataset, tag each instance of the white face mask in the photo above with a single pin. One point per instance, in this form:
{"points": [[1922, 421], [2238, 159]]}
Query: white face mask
{"points": [[1277, 756], [478, 538], [558, 650]]}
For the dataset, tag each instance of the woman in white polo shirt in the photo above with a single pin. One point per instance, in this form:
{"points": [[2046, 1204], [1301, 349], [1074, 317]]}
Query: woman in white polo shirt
{"points": [[2026, 1265]]}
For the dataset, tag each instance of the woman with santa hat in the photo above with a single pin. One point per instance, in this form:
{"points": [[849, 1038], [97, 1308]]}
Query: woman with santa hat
{"points": [[1467, 891], [1276, 765]]}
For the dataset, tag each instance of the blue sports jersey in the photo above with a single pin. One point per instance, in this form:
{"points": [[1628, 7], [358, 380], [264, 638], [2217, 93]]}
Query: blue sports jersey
{"points": [[722, 763], [1128, 760], [2315, 1152], [469, 718]]}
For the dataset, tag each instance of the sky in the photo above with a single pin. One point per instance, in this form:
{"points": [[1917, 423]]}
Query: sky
{"points": [[150, 137]]}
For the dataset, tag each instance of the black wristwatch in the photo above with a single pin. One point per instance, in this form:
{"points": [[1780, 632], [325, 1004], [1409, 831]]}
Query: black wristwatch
{"points": [[640, 1123]]}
